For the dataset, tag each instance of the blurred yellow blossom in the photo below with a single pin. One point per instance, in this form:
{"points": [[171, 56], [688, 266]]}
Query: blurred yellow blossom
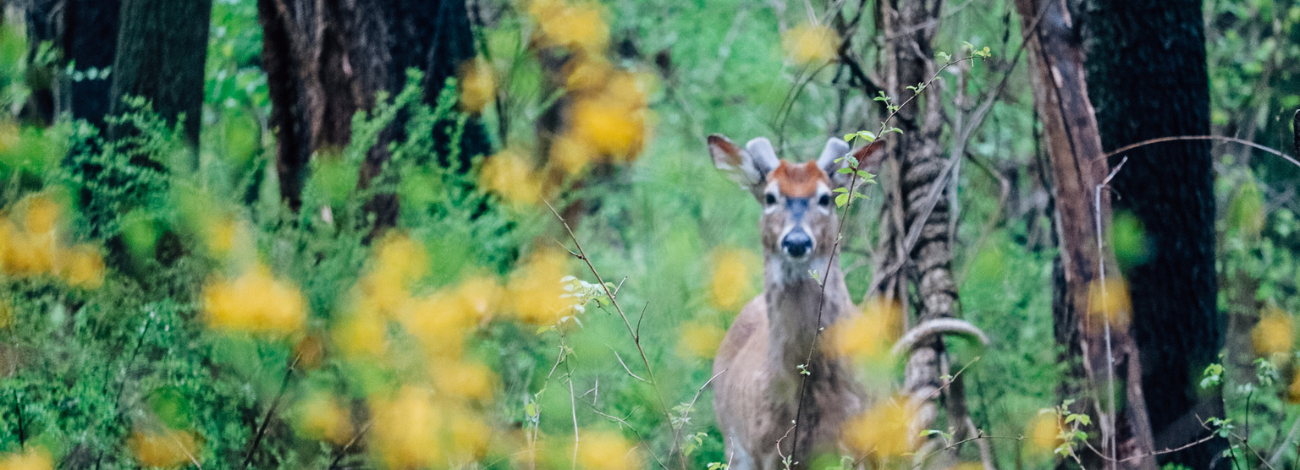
{"points": [[603, 450], [734, 272], [511, 175], [810, 44], [882, 430], [535, 288], [460, 379], [1293, 391], [83, 267], [480, 295], [168, 448], [469, 435], [587, 73], [1043, 433], [1274, 334], [477, 85], [1108, 302], [33, 458], [868, 336], [41, 215], [699, 340], [439, 322], [404, 433], [397, 262], [361, 335], [254, 302], [320, 417], [572, 154], [612, 123], [578, 27]]}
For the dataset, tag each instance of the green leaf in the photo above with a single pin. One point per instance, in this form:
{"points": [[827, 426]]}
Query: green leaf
{"points": [[841, 200], [840, 190], [845, 170]]}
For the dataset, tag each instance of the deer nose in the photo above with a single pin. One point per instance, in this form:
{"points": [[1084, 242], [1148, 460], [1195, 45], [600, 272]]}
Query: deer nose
{"points": [[797, 243]]}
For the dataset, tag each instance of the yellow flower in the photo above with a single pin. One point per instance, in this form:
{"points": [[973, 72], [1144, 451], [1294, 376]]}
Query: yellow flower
{"points": [[163, 449], [883, 429], [1044, 433], [602, 450], [809, 44], [1293, 392], [614, 122], [26, 254], [480, 295], [510, 175], [1108, 302], [463, 379], [536, 291], [578, 27], [32, 459], [8, 135], [732, 282], [572, 154], [1274, 332], [699, 340], [397, 262], [321, 418], [42, 215], [255, 302], [405, 430], [361, 335], [587, 73], [83, 267], [469, 435], [477, 85], [868, 336], [439, 322]]}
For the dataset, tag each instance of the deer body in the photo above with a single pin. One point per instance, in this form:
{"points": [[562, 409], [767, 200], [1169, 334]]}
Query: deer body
{"points": [[761, 362]]}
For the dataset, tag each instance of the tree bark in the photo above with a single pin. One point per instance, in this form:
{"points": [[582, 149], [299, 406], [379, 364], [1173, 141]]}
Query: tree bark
{"points": [[1148, 79], [923, 261], [161, 52], [326, 60], [1105, 347]]}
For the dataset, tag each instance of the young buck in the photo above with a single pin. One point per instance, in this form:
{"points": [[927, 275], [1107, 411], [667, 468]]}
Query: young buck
{"points": [[768, 351]]}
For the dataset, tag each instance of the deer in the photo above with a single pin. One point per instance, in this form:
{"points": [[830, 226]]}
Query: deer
{"points": [[768, 352]]}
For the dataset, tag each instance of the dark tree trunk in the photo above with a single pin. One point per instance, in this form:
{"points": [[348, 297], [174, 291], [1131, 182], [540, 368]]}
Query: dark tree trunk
{"points": [[325, 64], [161, 52], [1147, 78], [1105, 347], [90, 41], [85, 34]]}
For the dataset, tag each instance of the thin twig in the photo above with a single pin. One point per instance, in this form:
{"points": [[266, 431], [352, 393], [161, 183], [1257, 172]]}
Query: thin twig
{"points": [[266, 420], [1202, 137]]}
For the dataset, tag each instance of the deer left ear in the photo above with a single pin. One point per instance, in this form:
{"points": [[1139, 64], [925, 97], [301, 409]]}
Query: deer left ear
{"points": [[868, 159]]}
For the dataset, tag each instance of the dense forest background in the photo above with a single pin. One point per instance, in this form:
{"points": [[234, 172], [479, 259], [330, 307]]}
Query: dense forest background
{"points": [[487, 234]]}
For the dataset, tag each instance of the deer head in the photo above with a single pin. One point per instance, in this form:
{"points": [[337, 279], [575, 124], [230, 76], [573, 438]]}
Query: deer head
{"points": [[799, 223]]}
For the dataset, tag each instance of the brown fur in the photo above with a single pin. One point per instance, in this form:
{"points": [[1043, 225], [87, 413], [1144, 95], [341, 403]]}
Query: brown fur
{"points": [[799, 179], [758, 384]]}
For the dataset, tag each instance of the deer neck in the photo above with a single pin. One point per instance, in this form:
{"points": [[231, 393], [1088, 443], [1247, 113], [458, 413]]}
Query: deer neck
{"points": [[794, 297]]}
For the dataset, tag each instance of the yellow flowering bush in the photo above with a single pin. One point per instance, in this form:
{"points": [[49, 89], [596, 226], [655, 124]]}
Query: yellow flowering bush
{"points": [[33, 458], [254, 302], [166, 448], [1274, 334], [31, 244]]}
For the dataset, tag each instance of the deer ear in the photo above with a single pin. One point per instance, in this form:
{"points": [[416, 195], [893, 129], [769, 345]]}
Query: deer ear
{"points": [[868, 159], [747, 167]]}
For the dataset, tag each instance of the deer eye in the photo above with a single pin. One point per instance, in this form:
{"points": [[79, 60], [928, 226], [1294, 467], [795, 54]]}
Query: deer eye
{"points": [[824, 201], [771, 199]]}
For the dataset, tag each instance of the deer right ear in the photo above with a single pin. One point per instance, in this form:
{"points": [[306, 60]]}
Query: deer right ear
{"points": [[747, 167]]}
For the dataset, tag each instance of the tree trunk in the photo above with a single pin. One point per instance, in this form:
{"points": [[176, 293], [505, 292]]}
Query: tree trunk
{"points": [[326, 60], [1148, 79], [89, 40], [161, 52], [923, 260], [1102, 341]]}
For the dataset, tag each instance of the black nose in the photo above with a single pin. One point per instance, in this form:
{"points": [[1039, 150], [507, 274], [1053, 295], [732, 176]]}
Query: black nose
{"points": [[796, 243]]}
